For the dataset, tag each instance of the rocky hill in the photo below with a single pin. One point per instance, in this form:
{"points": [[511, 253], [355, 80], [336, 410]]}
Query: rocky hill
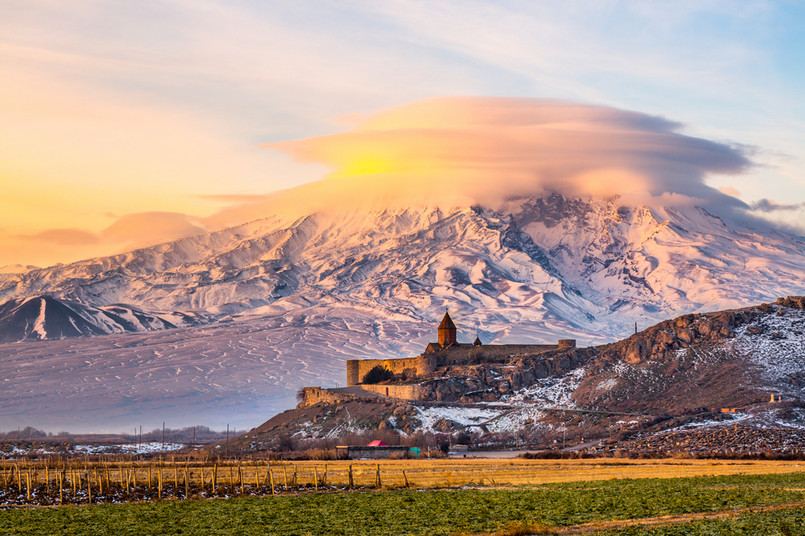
{"points": [[743, 366]]}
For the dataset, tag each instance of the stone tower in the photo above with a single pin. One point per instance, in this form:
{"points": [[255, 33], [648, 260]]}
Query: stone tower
{"points": [[447, 331]]}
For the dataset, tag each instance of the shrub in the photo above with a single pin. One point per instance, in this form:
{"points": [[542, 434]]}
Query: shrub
{"points": [[378, 374]]}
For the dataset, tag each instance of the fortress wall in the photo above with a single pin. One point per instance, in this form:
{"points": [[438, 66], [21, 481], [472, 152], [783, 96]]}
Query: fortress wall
{"points": [[405, 392], [479, 354], [425, 364], [357, 368], [315, 395]]}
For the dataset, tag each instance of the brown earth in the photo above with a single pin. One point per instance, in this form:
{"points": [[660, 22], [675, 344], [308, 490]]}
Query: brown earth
{"points": [[662, 521]]}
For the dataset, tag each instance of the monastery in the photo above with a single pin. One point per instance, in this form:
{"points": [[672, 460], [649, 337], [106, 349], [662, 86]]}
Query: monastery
{"points": [[445, 352]]}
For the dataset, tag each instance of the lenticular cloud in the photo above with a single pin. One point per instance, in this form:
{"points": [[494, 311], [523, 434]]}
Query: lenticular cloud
{"points": [[467, 150]]}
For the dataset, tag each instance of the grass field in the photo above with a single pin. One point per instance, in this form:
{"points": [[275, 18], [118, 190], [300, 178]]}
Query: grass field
{"points": [[515, 496]]}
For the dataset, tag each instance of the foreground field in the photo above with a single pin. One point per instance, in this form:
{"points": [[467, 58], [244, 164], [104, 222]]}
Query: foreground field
{"points": [[762, 504], [107, 481]]}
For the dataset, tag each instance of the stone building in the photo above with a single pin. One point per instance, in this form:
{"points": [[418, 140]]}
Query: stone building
{"points": [[446, 351]]}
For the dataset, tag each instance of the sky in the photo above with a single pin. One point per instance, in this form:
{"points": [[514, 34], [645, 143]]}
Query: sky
{"points": [[131, 123]]}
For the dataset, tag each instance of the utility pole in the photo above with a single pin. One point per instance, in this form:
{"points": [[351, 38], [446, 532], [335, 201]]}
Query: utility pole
{"points": [[163, 436]]}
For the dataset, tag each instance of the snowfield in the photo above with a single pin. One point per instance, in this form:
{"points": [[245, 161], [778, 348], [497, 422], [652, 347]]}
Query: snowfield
{"points": [[776, 345], [552, 391]]}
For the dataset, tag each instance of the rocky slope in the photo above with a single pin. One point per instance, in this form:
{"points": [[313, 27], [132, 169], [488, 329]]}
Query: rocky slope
{"points": [[680, 372]]}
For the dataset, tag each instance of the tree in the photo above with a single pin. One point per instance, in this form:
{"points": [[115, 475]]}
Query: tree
{"points": [[378, 374]]}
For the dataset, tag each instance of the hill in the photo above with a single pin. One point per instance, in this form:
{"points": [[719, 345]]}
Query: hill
{"points": [[675, 376]]}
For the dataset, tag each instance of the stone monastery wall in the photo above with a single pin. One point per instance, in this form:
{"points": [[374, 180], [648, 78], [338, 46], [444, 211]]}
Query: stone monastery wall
{"points": [[357, 368], [456, 355], [403, 392]]}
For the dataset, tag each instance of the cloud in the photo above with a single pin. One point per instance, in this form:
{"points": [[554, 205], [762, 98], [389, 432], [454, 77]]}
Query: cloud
{"points": [[146, 228], [463, 150], [63, 237], [730, 191], [127, 232], [233, 198], [767, 205]]}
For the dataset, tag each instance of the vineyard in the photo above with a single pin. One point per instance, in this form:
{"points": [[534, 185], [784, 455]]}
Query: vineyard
{"points": [[117, 480]]}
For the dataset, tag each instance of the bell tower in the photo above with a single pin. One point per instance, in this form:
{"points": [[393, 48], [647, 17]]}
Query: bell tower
{"points": [[447, 331]]}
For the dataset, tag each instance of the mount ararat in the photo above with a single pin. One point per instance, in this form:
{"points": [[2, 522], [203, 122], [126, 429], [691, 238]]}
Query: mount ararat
{"points": [[255, 311]]}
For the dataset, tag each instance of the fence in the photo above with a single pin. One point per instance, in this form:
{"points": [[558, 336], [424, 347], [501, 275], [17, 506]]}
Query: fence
{"points": [[90, 483]]}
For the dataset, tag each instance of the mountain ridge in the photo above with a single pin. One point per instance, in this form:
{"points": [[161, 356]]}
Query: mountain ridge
{"points": [[280, 304], [594, 265]]}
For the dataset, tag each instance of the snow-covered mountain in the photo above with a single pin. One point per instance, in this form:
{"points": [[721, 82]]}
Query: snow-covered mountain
{"points": [[287, 301], [567, 264], [44, 317]]}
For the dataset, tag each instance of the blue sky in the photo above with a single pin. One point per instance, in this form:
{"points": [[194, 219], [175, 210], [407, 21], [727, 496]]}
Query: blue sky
{"points": [[120, 108]]}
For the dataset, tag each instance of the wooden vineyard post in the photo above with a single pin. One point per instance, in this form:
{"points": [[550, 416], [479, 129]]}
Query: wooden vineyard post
{"points": [[61, 492], [120, 471], [377, 477], [28, 485], [186, 483], [324, 478], [89, 488], [240, 477], [47, 479], [406, 479], [214, 476], [351, 481], [295, 482], [202, 477], [175, 480], [19, 478], [134, 475], [285, 474], [159, 479], [108, 483], [271, 480], [256, 478], [315, 478]]}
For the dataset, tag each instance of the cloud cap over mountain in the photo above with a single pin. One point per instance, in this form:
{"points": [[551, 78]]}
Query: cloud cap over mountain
{"points": [[453, 150]]}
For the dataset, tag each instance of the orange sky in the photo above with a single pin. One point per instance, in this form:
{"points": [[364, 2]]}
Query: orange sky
{"points": [[130, 123]]}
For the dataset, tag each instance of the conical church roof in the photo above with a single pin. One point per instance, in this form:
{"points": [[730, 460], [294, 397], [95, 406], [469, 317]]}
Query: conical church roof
{"points": [[447, 322]]}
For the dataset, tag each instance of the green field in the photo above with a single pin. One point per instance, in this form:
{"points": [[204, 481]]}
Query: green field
{"points": [[565, 507]]}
